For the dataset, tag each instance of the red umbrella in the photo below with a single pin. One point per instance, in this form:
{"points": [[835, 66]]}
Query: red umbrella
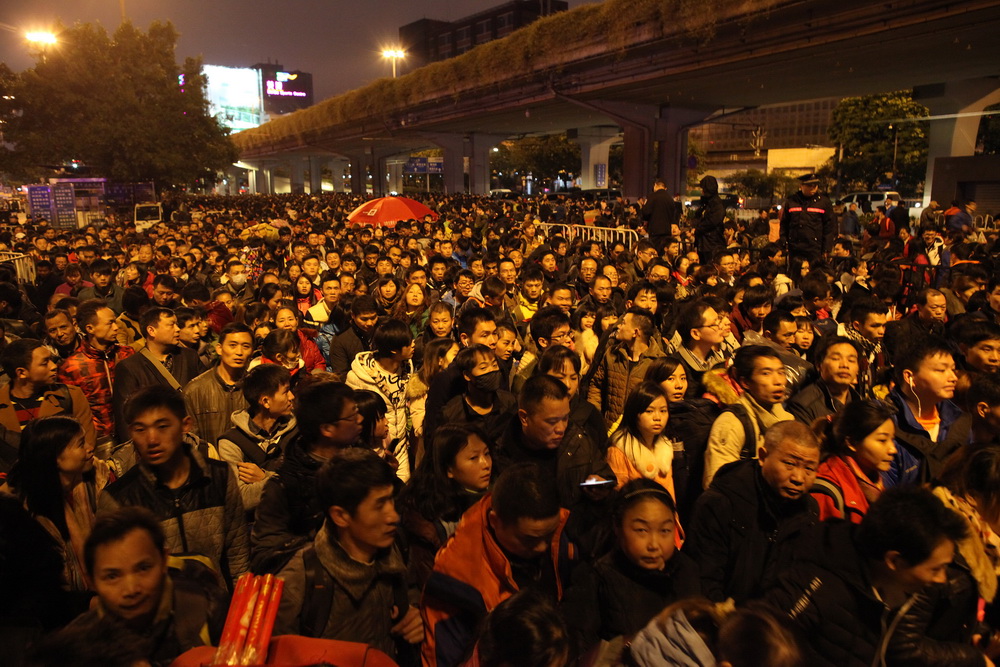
{"points": [[387, 211]]}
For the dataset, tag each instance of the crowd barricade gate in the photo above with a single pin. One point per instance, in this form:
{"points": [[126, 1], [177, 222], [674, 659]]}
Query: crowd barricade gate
{"points": [[23, 264], [603, 235]]}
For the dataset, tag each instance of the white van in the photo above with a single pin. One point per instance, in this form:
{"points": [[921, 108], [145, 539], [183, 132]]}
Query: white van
{"points": [[146, 216], [869, 201]]}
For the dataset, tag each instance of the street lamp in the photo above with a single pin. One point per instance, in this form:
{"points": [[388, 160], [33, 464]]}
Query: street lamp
{"points": [[393, 55], [41, 38]]}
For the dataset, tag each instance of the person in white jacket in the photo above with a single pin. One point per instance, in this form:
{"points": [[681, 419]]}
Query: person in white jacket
{"points": [[386, 370]]}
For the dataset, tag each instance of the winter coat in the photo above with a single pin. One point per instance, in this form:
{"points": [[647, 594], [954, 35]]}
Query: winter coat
{"points": [[363, 594], [289, 513], [367, 374], [93, 371], [828, 595], [830, 599], [137, 372], [615, 597], [130, 333], [113, 298], [456, 411], [742, 534], [416, 403], [918, 458], [344, 348], [814, 401], [471, 576], [57, 399], [311, 356], [660, 212], [728, 438], [246, 442], [809, 225], [192, 612], [205, 515], [211, 403], [709, 237], [617, 376], [689, 425], [838, 492]]}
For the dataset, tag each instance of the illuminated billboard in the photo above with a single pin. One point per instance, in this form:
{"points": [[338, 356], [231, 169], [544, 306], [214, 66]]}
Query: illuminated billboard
{"points": [[234, 95], [284, 91]]}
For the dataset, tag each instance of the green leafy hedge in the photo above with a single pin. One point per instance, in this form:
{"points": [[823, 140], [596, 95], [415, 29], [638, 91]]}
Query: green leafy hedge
{"points": [[605, 27]]}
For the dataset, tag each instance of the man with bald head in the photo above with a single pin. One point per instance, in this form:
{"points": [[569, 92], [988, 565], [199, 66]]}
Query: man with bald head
{"points": [[746, 524]]}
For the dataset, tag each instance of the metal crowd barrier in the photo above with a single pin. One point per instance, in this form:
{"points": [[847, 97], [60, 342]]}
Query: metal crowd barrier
{"points": [[24, 265], [603, 235]]}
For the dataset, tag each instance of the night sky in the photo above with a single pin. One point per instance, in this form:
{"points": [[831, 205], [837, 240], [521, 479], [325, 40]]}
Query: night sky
{"points": [[339, 41]]}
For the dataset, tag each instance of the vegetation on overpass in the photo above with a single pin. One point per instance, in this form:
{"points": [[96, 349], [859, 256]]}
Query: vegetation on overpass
{"points": [[545, 45]]}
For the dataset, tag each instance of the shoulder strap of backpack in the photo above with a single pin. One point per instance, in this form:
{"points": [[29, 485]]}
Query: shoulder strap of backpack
{"points": [[832, 491], [749, 450], [318, 599]]}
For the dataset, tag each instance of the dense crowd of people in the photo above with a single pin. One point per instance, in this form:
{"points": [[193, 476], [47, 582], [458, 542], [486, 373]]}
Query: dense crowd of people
{"points": [[474, 439]]}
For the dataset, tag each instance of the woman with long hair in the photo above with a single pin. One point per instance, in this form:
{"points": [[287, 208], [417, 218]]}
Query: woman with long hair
{"points": [[374, 425], [437, 355], [858, 449], [386, 291], [272, 296], [411, 308], [305, 294], [688, 428], [58, 479], [639, 450], [583, 320], [455, 473]]}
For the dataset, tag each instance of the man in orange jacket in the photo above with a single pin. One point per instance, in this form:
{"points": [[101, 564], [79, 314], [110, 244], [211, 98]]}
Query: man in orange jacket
{"points": [[510, 540]]}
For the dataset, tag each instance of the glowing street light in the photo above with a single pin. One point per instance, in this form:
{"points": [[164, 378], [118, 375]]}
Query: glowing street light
{"points": [[394, 55], [43, 38]]}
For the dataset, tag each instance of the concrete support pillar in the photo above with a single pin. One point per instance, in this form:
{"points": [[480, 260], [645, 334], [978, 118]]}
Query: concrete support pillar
{"points": [[394, 165], [595, 145], [338, 167], [359, 174], [480, 150], [253, 180], [953, 136], [316, 164], [265, 179], [637, 170], [672, 149], [297, 175], [644, 124], [454, 160]]}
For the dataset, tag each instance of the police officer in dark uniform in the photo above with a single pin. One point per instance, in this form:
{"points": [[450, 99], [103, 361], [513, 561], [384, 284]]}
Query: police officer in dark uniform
{"points": [[807, 221]]}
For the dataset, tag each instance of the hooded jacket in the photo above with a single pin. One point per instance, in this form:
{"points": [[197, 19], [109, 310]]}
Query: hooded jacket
{"points": [[367, 374], [708, 229], [471, 576], [248, 442]]}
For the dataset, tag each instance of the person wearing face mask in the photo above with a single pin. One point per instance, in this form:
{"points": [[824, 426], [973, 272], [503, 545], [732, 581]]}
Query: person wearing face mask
{"points": [[236, 279], [484, 404]]}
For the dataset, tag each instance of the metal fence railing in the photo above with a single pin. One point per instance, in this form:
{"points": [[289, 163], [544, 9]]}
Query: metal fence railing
{"points": [[603, 235], [23, 264]]}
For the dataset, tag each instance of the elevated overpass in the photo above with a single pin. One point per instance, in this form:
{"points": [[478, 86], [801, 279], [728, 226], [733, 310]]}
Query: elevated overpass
{"points": [[647, 69]]}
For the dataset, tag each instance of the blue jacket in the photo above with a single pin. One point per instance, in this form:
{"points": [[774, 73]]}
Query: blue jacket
{"points": [[918, 459]]}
